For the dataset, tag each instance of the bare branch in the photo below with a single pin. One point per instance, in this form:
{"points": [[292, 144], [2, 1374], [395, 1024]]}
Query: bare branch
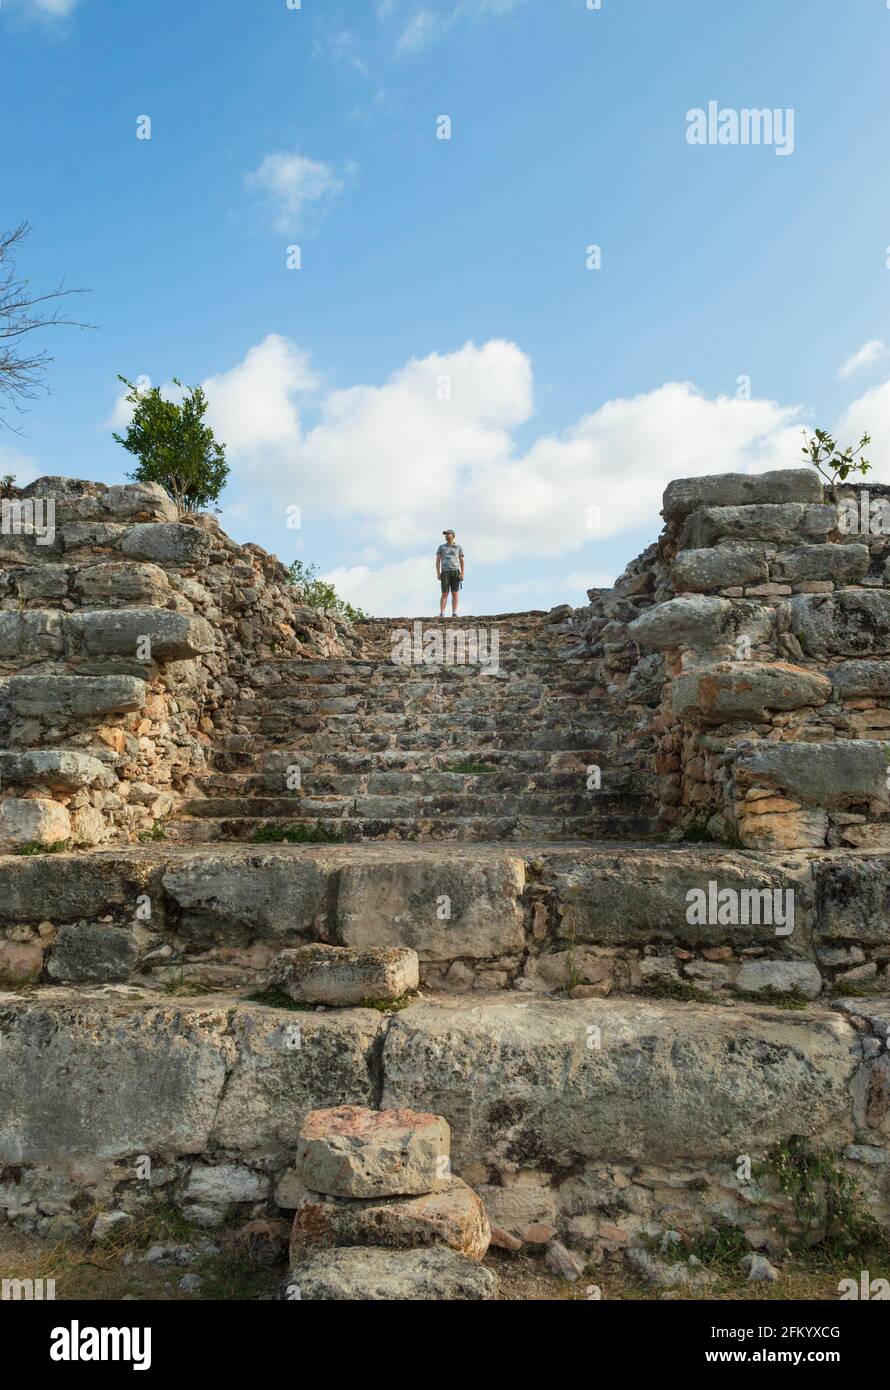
{"points": [[22, 373]]}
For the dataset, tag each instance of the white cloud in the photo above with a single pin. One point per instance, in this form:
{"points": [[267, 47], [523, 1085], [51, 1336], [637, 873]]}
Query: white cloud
{"points": [[437, 443], [51, 9], [870, 414], [420, 31], [251, 408], [428, 23], [289, 184], [396, 462], [21, 465], [870, 352]]}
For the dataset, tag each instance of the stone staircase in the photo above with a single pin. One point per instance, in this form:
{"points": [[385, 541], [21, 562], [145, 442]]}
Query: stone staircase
{"points": [[487, 923], [429, 751]]}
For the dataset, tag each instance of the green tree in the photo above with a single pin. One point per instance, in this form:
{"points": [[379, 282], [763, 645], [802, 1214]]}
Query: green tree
{"points": [[834, 464], [317, 593], [174, 446]]}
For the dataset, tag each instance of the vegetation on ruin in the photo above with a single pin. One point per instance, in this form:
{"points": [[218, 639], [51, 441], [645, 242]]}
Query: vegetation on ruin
{"points": [[318, 593], [174, 446]]}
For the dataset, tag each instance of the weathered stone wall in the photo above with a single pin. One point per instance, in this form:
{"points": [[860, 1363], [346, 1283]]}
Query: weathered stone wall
{"points": [[127, 635], [598, 1120], [764, 624]]}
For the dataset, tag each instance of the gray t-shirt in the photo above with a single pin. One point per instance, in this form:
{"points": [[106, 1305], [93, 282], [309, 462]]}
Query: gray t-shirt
{"points": [[451, 556]]}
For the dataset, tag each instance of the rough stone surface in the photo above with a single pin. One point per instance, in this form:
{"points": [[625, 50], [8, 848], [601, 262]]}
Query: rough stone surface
{"points": [[697, 571], [779, 977], [92, 954], [604, 1080], [851, 622], [102, 1077], [172, 636], [692, 620], [746, 690], [381, 905], [341, 975], [25, 822], [354, 1152], [454, 1217], [219, 898], [434, 1274], [818, 774], [740, 489], [783, 522]]}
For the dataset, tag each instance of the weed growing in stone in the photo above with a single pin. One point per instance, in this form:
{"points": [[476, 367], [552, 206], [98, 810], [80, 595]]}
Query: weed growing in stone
{"points": [[294, 835]]}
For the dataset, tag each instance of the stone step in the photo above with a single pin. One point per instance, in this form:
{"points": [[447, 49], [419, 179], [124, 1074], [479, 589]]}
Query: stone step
{"points": [[317, 782], [303, 805], [351, 738], [648, 1103], [469, 829], [350, 761], [556, 911]]}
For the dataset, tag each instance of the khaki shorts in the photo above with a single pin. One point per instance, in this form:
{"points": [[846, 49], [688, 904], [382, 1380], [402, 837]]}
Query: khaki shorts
{"points": [[451, 580]]}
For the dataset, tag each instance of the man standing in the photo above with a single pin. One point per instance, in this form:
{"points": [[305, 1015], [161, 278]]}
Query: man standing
{"points": [[450, 570]]}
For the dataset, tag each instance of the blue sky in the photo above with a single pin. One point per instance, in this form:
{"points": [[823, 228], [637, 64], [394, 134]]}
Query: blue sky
{"points": [[445, 356]]}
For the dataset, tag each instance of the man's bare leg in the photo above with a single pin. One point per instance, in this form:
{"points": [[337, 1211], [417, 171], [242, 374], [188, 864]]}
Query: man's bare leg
{"points": [[442, 604]]}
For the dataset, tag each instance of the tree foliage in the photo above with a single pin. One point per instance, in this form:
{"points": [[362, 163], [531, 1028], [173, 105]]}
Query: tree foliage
{"points": [[317, 593], [174, 446], [834, 464]]}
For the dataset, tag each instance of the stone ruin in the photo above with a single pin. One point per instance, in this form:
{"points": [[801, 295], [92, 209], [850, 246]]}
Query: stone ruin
{"points": [[256, 865]]}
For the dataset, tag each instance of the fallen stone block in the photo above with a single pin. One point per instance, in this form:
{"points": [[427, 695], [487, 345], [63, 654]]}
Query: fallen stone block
{"points": [[435, 1274], [342, 975], [454, 1217], [354, 1152]]}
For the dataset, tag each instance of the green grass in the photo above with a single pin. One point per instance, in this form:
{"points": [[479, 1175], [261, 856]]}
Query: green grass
{"points": [[294, 835], [827, 1202], [35, 847], [469, 769], [387, 1006], [277, 999], [776, 999], [156, 833]]}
